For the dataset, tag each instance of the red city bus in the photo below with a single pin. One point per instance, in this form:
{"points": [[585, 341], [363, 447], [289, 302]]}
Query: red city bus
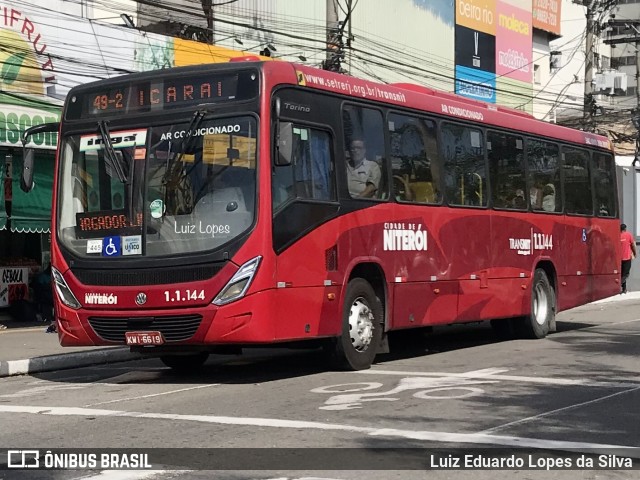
{"points": [[262, 203]]}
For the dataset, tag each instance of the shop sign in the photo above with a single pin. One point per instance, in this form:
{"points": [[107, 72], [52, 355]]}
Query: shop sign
{"points": [[13, 285], [15, 119]]}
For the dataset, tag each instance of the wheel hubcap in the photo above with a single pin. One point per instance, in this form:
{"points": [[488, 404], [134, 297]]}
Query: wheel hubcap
{"points": [[540, 304], [360, 324]]}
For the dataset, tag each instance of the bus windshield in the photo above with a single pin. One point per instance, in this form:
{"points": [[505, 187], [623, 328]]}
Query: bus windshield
{"points": [[177, 188]]}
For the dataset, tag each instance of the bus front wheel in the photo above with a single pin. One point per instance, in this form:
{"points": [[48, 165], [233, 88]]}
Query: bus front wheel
{"points": [[185, 363], [361, 335], [538, 322]]}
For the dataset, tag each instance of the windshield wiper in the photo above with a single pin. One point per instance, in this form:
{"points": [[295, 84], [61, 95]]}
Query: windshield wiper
{"points": [[183, 145], [112, 160]]}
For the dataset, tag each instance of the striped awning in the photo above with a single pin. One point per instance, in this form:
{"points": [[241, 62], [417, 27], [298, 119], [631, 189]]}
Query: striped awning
{"points": [[31, 211]]}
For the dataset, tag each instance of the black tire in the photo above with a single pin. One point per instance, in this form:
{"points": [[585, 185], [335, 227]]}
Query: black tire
{"points": [[358, 345], [543, 308], [185, 363]]}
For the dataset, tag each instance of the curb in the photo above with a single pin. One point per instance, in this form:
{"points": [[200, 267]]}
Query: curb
{"points": [[617, 298], [64, 361]]}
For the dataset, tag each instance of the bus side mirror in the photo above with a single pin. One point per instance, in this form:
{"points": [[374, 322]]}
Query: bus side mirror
{"points": [[28, 153], [26, 180], [284, 147]]}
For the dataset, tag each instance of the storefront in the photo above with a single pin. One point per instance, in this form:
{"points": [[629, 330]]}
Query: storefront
{"points": [[25, 217], [33, 87]]}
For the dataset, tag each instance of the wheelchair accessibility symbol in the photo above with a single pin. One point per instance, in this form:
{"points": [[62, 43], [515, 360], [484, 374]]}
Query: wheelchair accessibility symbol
{"points": [[111, 247]]}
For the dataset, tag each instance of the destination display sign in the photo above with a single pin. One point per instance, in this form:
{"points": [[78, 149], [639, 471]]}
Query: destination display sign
{"points": [[99, 224], [162, 94]]}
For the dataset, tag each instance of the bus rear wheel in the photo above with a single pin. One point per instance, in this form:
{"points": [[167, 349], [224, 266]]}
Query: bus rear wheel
{"points": [[538, 322], [361, 335], [185, 363]]}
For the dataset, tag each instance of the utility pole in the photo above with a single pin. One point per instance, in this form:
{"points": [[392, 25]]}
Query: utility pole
{"points": [[636, 115], [635, 26], [349, 36], [335, 46], [207, 7], [631, 24], [589, 101]]}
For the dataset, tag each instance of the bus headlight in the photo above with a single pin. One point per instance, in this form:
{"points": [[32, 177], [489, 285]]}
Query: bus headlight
{"points": [[64, 292], [237, 286]]}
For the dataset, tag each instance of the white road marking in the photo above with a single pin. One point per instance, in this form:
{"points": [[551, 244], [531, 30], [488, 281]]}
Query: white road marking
{"points": [[40, 387], [49, 387], [557, 410], [473, 438], [151, 395], [515, 378], [456, 387]]}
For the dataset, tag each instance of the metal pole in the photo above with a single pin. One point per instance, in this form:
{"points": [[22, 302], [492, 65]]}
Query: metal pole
{"points": [[207, 7], [637, 70], [332, 28], [588, 70], [349, 7], [636, 122]]}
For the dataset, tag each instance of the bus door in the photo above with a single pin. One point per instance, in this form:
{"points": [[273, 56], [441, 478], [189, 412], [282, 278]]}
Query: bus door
{"points": [[466, 234], [512, 226], [304, 200], [577, 263], [603, 261], [413, 250]]}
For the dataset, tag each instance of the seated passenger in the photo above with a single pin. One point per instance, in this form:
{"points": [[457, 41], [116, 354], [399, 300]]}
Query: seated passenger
{"points": [[403, 188], [549, 198], [519, 201], [363, 176]]}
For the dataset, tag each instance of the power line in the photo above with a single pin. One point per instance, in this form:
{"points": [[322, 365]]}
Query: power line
{"points": [[399, 59]]}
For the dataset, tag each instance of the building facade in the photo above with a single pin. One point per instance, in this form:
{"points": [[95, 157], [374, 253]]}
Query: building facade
{"points": [[44, 53]]}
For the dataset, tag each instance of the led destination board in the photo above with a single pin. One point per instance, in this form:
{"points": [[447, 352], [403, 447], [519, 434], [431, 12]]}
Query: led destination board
{"points": [[99, 224], [168, 93]]}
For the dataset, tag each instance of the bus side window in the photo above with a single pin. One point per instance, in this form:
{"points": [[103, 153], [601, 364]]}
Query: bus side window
{"points": [[415, 162], [603, 169], [310, 174], [365, 163], [577, 181], [465, 181], [544, 176], [507, 170]]}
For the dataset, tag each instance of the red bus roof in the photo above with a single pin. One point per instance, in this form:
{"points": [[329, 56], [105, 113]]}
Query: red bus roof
{"points": [[440, 102]]}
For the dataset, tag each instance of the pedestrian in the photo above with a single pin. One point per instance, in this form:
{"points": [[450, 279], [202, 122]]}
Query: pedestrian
{"points": [[628, 245], [43, 294]]}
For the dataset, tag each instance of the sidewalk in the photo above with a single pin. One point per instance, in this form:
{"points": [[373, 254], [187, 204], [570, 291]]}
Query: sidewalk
{"points": [[25, 348]]}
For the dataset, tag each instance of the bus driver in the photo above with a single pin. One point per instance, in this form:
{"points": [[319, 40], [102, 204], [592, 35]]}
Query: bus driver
{"points": [[363, 175]]}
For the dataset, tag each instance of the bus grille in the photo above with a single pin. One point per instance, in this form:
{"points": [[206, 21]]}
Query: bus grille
{"points": [[146, 276], [174, 328]]}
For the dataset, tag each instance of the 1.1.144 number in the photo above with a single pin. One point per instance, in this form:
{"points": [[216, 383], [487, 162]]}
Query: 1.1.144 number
{"points": [[183, 295]]}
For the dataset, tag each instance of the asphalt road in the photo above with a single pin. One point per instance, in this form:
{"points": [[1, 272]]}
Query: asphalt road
{"points": [[446, 394]]}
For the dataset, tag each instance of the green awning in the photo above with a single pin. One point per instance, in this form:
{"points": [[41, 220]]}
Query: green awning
{"points": [[3, 210], [31, 212]]}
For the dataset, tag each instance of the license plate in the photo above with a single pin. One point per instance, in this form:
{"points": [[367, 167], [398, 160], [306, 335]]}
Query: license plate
{"points": [[144, 338]]}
